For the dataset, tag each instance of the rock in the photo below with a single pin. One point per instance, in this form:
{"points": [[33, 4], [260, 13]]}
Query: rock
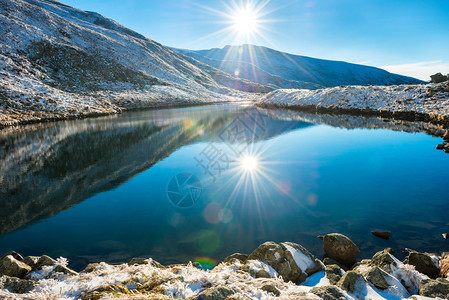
{"points": [[239, 256], [446, 136], [378, 278], [269, 288], [440, 146], [12, 267], [16, 285], [144, 261], [13, 254], [329, 292], [65, 270], [382, 234], [424, 263], [340, 248], [31, 260], [389, 250], [329, 261], [91, 267], [321, 237], [445, 236], [333, 273], [438, 78], [434, 288], [220, 292], [257, 268], [269, 252], [384, 260], [44, 260], [350, 281], [301, 262]]}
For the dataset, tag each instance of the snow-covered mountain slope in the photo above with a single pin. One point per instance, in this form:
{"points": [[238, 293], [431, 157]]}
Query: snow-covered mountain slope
{"points": [[55, 59], [429, 101], [282, 70]]}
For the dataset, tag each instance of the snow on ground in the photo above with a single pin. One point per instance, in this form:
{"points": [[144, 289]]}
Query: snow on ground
{"points": [[430, 99]]}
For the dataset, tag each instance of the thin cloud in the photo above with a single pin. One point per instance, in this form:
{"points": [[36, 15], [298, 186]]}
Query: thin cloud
{"points": [[421, 70]]}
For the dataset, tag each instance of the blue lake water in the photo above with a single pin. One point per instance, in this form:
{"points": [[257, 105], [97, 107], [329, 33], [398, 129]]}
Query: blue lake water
{"points": [[106, 189]]}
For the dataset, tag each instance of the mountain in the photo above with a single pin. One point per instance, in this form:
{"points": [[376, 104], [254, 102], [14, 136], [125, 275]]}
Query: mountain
{"points": [[57, 60], [282, 70]]}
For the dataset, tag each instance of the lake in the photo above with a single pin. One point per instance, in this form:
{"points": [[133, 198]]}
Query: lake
{"points": [[198, 184]]}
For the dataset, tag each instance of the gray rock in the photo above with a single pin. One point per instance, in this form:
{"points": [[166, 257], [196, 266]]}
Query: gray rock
{"points": [[327, 261], [44, 260], [333, 273], [65, 270], [329, 292], [434, 288], [13, 254], [256, 268], [12, 267], [340, 248], [438, 78], [383, 260], [90, 268], [16, 285], [297, 274], [220, 292], [31, 260], [350, 281], [239, 256], [269, 288], [269, 252], [423, 263], [378, 277]]}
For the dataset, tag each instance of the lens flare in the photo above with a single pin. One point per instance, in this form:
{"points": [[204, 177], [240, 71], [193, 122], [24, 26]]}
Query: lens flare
{"points": [[249, 163]]}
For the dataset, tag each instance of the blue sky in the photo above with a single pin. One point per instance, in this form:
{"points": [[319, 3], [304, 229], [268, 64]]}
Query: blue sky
{"points": [[406, 37]]}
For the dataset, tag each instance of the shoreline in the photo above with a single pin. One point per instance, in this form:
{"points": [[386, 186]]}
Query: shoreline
{"points": [[272, 271]]}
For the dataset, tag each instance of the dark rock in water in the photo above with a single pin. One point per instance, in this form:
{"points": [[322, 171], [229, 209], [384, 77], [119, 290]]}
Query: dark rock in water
{"points": [[340, 248], [383, 260], [333, 273], [446, 136], [239, 256], [329, 292], [269, 288], [13, 254], [440, 146], [16, 285], [31, 260], [423, 263], [321, 237], [330, 261], [349, 281], [220, 292], [65, 270], [434, 288], [44, 260], [382, 234], [12, 267], [389, 250], [445, 236]]}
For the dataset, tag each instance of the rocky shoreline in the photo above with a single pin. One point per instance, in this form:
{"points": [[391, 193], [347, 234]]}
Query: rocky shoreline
{"points": [[272, 271]]}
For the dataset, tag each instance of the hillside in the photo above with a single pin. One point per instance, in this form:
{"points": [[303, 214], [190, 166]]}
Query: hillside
{"points": [[57, 60], [282, 70]]}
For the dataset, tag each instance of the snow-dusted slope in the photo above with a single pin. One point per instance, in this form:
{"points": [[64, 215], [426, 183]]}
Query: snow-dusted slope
{"points": [[429, 101], [282, 70], [55, 59]]}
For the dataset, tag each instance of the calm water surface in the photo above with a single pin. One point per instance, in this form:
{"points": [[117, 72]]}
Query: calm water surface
{"points": [[105, 189]]}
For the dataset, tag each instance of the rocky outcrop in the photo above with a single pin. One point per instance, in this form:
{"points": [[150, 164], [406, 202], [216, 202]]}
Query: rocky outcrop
{"points": [[438, 78], [340, 248], [424, 263], [12, 267], [434, 288]]}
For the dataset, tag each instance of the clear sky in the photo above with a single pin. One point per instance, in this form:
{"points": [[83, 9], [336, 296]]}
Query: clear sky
{"points": [[403, 36]]}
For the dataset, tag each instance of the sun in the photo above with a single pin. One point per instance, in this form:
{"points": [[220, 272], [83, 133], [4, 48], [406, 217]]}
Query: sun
{"points": [[245, 20], [248, 163]]}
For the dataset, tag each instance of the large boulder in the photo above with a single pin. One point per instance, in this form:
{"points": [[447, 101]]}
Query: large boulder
{"points": [[333, 273], [291, 261], [351, 282], [424, 263], [12, 267], [434, 288], [340, 248], [438, 77], [14, 254], [16, 285], [329, 292]]}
